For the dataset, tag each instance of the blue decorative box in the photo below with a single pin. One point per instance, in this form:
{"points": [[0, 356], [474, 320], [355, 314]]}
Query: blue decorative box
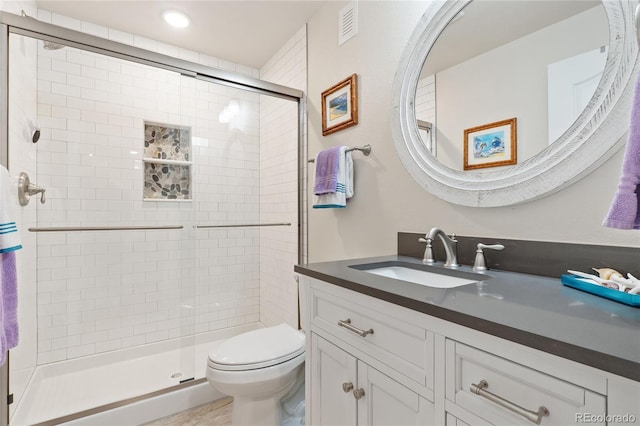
{"points": [[598, 290]]}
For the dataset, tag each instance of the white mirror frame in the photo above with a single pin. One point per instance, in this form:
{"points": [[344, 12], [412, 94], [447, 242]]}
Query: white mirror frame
{"points": [[595, 136]]}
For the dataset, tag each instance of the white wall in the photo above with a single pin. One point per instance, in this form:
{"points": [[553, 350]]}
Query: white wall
{"points": [[387, 200]]}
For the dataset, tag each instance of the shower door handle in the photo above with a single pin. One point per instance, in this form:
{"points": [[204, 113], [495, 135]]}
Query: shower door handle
{"points": [[26, 189]]}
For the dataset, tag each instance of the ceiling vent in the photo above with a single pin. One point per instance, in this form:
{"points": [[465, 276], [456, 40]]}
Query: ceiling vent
{"points": [[347, 22]]}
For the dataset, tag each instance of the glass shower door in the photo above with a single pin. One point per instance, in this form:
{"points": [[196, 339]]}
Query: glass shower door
{"points": [[110, 298]]}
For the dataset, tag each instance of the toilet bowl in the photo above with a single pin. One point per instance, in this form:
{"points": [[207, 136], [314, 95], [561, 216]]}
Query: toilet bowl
{"points": [[259, 369]]}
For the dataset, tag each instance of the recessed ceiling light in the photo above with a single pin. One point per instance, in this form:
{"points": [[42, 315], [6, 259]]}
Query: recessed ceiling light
{"points": [[176, 19]]}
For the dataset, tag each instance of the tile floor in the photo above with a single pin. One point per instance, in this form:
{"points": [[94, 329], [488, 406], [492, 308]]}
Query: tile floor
{"points": [[216, 413]]}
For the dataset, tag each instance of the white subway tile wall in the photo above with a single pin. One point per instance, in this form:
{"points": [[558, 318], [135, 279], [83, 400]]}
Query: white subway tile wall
{"points": [[426, 105], [22, 158], [279, 185], [100, 291]]}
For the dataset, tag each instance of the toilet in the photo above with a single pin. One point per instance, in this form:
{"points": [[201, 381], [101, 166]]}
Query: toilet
{"points": [[263, 370]]}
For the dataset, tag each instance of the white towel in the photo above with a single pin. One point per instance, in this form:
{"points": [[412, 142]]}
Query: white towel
{"points": [[9, 237], [344, 186]]}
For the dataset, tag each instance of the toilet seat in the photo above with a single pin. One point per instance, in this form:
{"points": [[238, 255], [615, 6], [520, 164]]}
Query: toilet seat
{"points": [[258, 349]]}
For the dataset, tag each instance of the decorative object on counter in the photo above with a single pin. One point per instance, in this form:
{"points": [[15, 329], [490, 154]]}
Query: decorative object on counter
{"points": [[167, 162], [610, 278], [490, 145], [340, 105], [590, 286], [336, 195], [607, 273], [9, 243], [624, 212]]}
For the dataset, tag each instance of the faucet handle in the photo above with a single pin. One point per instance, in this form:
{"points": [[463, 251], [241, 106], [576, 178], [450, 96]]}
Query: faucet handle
{"points": [[480, 263], [490, 246], [428, 251]]}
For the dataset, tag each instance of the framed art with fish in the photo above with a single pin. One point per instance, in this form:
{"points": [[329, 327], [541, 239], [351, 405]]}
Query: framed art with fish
{"points": [[340, 105], [490, 145]]}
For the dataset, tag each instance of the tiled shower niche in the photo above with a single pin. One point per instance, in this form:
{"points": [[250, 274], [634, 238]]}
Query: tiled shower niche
{"points": [[167, 162]]}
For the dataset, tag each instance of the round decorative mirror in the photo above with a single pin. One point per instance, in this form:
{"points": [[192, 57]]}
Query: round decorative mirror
{"points": [[497, 103]]}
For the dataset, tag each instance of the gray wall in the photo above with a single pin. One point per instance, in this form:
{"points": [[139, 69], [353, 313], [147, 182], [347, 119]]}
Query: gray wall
{"points": [[387, 200]]}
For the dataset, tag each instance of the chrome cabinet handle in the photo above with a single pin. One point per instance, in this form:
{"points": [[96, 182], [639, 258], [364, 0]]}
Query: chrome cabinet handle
{"points": [[358, 393], [347, 324], [347, 387], [532, 416]]}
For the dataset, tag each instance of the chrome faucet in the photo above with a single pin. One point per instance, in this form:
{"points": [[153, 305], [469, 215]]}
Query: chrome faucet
{"points": [[450, 246]]}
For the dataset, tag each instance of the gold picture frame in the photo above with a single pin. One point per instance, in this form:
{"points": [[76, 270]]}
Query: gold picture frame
{"points": [[340, 105], [490, 145]]}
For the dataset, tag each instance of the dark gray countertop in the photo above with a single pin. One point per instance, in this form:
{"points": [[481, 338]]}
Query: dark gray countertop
{"points": [[535, 311]]}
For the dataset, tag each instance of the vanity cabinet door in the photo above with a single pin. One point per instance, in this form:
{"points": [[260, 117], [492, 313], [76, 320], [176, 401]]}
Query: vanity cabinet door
{"points": [[347, 391], [452, 420], [333, 379], [386, 402]]}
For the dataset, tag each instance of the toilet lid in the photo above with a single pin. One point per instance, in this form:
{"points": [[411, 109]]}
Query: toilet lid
{"points": [[258, 349]]}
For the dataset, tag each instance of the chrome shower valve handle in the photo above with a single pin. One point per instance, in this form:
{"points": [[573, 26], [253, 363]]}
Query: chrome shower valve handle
{"points": [[26, 190]]}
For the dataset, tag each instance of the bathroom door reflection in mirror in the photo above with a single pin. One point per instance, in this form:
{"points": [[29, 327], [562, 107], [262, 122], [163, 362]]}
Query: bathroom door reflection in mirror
{"points": [[539, 61]]}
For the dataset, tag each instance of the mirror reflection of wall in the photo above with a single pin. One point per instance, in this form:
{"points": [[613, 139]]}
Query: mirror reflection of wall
{"points": [[508, 77], [571, 84]]}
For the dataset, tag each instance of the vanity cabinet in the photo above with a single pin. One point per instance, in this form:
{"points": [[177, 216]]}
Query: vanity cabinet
{"points": [[348, 391], [366, 365], [503, 392], [411, 368]]}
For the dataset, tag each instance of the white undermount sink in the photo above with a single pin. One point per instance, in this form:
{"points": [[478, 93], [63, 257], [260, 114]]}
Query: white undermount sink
{"points": [[434, 277]]}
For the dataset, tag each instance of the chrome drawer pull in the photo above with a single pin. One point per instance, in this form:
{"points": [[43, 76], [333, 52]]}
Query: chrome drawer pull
{"points": [[347, 387], [347, 324], [532, 416]]}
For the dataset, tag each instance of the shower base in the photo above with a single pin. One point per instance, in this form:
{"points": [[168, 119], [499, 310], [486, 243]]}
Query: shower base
{"points": [[125, 386]]}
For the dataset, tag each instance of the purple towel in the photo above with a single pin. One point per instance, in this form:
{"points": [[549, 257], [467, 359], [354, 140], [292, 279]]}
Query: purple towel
{"points": [[327, 171], [9, 305], [624, 212]]}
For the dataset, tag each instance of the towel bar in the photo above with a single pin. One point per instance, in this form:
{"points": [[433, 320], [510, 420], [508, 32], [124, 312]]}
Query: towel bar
{"points": [[241, 226], [104, 228], [366, 150]]}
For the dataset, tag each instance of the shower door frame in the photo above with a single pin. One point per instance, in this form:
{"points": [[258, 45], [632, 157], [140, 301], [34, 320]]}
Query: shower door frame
{"points": [[30, 27]]}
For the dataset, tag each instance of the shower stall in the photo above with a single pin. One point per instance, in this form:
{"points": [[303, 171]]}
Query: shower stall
{"points": [[169, 218]]}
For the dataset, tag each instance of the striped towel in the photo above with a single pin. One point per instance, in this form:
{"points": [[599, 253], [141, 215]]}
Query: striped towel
{"points": [[9, 243], [344, 184], [9, 237]]}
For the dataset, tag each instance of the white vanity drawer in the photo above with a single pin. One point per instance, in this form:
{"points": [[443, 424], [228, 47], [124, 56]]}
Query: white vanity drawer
{"points": [[397, 341], [517, 387]]}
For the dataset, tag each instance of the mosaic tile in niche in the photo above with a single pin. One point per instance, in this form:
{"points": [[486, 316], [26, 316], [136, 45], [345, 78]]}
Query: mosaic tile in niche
{"points": [[167, 142], [167, 181]]}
